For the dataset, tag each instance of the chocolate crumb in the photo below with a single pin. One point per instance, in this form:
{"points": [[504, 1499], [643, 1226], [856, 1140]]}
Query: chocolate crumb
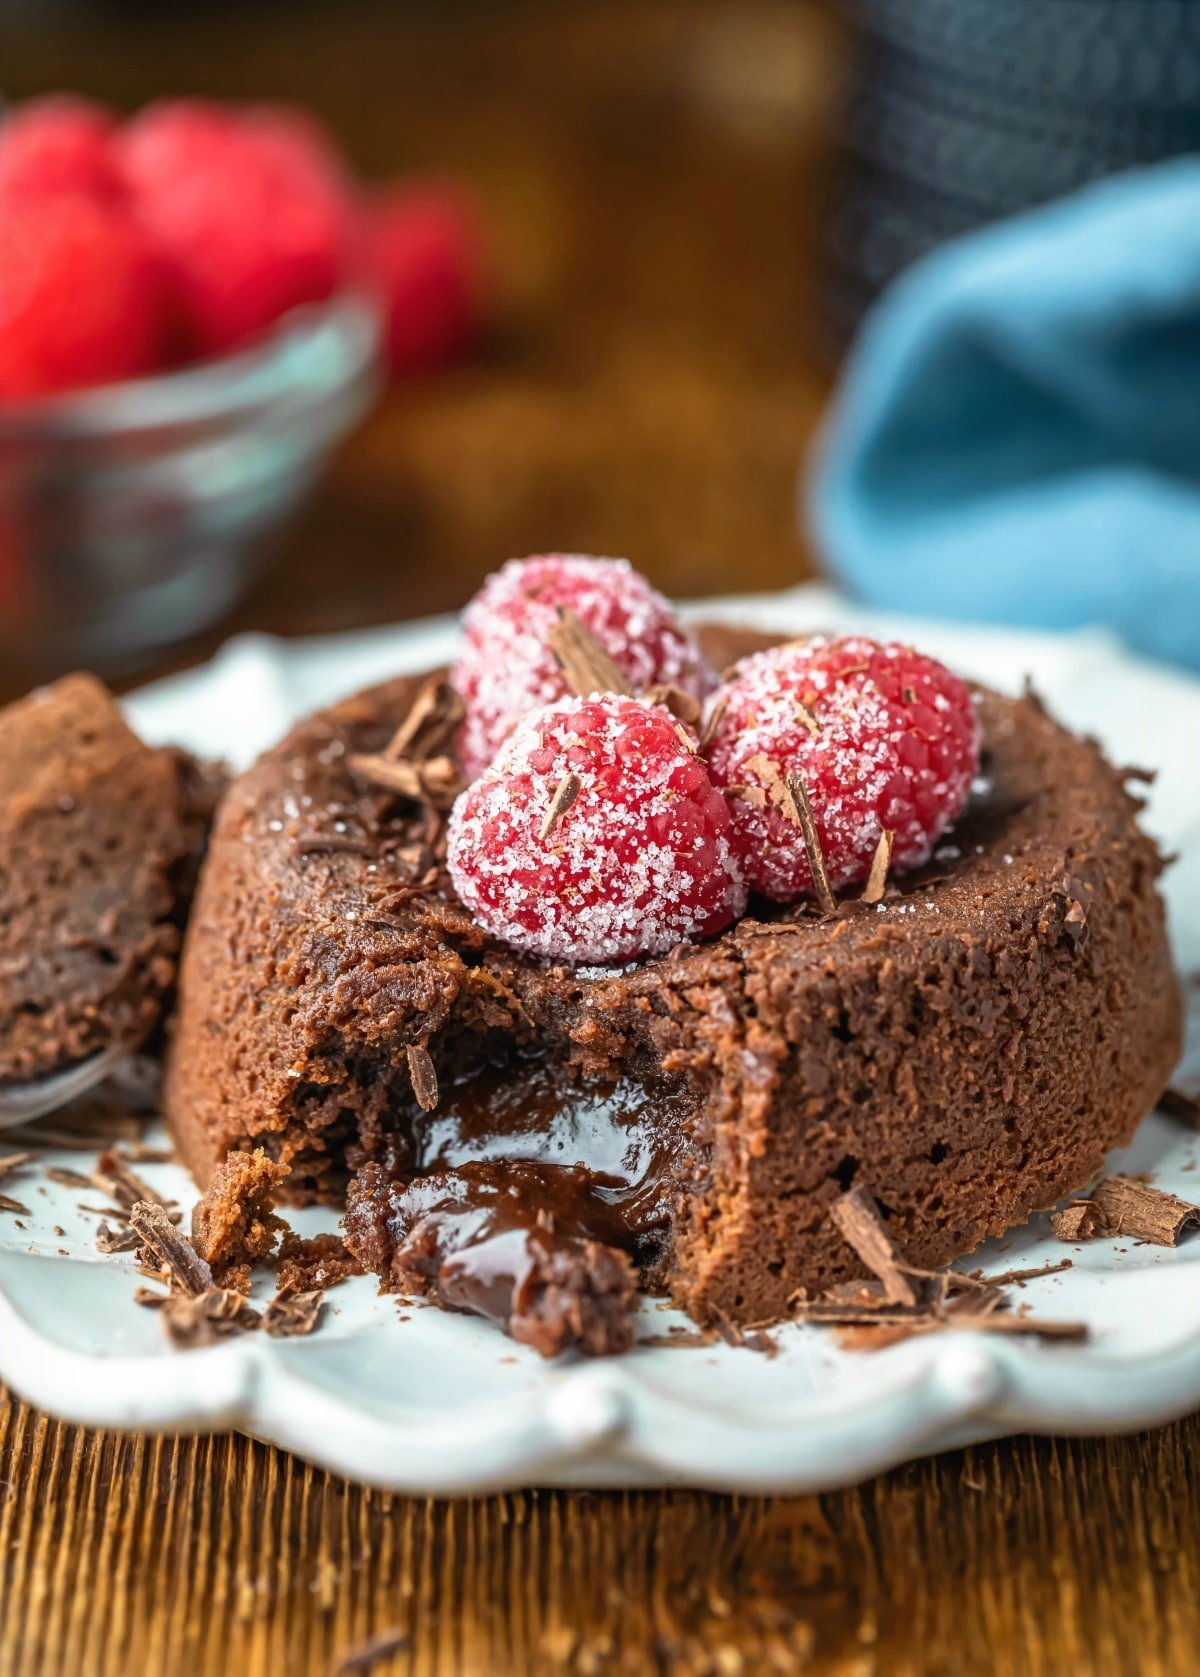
{"points": [[585, 664], [877, 882], [234, 1224], [565, 794], [313, 1264], [423, 1073], [806, 821], [1078, 1221]]}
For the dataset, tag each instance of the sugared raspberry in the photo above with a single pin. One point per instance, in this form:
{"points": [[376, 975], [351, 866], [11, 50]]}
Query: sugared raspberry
{"points": [[80, 296], [250, 213], [879, 735], [426, 255], [507, 669], [58, 144], [595, 836]]}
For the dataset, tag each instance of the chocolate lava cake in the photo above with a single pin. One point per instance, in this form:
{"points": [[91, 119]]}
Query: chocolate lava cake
{"points": [[967, 1049], [100, 842]]}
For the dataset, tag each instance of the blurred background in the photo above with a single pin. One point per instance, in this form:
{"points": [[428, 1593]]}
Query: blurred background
{"points": [[684, 208]]}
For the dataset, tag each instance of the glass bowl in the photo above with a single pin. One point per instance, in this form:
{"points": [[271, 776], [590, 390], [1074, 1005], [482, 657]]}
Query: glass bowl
{"points": [[133, 514]]}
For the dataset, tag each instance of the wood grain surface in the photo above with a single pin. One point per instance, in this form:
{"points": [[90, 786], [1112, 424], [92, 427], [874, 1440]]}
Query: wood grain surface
{"points": [[653, 170], [132, 1557]]}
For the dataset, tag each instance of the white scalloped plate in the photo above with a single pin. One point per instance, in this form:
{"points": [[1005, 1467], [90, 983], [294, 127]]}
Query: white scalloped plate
{"points": [[414, 1399]]}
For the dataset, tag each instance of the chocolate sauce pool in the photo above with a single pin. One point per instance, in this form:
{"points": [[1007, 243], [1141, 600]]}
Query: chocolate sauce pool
{"points": [[529, 1200]]}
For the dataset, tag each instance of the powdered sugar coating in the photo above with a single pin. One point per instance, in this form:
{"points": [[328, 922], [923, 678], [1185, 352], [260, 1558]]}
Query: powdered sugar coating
{"points": [[506, 668], [880, 735], [640, 860]]}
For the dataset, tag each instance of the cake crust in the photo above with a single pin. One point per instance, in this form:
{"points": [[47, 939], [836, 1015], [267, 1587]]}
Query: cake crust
{"points": [[967, 1051]]}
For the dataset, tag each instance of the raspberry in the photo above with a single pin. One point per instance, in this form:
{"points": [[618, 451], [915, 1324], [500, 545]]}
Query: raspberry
{"points": [[58, 144], [506, 668], [426, 255], [635, 856], [249, 211], [80, 296], [880, 736]]}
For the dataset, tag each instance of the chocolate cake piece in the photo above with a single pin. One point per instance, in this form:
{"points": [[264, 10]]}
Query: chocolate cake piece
{"points": [[100, 843], [967, 1049]]}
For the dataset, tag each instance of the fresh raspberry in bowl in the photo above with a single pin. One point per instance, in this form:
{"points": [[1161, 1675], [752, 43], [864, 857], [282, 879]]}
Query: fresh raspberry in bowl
{"points": [[58, 144], [595, 836], [250, 210], [507, 668], [81, 299], [880, 737]]}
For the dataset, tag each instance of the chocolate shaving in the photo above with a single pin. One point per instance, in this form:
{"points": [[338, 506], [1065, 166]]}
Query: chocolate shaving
{"points": [[430, 725], [173, 1251], [863, 1337], [1184, 1109], [745, 1339], [14, 1161], [424, 1076], [289, 1315], [709, 731], [1136, 1209], [68, 1178], [364, 1655], [682, 706], [113, 1176], [860, 1225], [681, 1340], [434, 782], [877, 882], [192, 1321], [812, 843], [565, 794], [1018, 1277], [585, 664], [7, 1203], [317, 844], [141, 1153], [110, 1241]]}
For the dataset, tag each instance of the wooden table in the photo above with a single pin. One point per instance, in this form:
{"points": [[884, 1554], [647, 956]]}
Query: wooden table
{"points": [[654, 173]]}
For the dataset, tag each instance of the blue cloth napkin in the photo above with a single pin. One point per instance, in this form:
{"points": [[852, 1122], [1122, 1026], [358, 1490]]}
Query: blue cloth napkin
{"points": [[1017, 433]]}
